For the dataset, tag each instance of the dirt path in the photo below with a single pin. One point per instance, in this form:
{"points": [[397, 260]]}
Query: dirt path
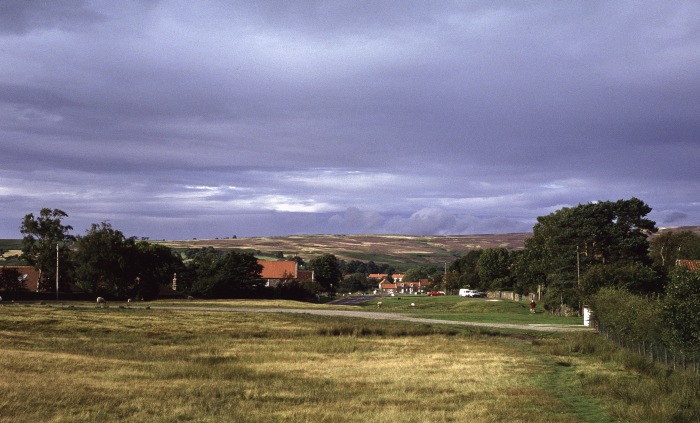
{"points": [[388, 316]]}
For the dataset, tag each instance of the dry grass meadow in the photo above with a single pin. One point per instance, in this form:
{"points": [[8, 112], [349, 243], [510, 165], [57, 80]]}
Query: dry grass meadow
{"points": [[68, 364]]}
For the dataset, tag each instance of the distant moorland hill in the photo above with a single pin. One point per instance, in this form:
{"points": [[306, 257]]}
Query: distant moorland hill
{"points": [[397, 250], [400, 251]]}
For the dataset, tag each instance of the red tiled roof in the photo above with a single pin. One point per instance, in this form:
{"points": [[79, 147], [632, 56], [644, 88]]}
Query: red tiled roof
{"points": [[28, 273], [278, 269], [385, 275], [690, 264]]}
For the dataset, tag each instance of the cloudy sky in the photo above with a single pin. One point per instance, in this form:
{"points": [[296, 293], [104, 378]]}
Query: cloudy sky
{"points": [[182, 119]]}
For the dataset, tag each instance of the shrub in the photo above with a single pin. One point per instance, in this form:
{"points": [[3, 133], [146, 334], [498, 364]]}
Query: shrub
{"points": [[681, 310], [630, 316]]}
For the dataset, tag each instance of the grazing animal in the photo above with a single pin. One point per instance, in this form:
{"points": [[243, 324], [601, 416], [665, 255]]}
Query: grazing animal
{"points": [[413, 304], [379, 304], [101, 301]]}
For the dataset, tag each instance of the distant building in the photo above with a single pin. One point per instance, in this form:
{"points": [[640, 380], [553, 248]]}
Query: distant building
{"points": [[689, 264], [279, 272], [403, 287], [29, 279], [397, 277], [28, 275]]}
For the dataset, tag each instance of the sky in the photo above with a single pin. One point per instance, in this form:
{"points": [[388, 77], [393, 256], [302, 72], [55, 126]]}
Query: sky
{"points": [[213, 119]]}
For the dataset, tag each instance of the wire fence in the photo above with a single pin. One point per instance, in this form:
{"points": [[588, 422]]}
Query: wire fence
{"points": [[657, 352]]}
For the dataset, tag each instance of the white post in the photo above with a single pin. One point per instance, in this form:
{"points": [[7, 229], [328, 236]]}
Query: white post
{"points": [[586, 315]]}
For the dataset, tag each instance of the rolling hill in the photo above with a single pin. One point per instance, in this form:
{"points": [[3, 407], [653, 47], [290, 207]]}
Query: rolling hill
{"points": [[397, 250]]}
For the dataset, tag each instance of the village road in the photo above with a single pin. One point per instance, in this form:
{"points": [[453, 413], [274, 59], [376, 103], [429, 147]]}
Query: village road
{"points": [[388, 316]]}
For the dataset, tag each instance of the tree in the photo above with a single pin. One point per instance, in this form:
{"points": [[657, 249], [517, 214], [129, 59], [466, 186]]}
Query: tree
{"points": [[105, 261], [467, 268], [10, 279], [355, 266], [355, 282], [568, 242], [494, 269], [44, 236], [156, 265], [415, 274], [229, 275], [681, 310], [670, 246], [632, 277], [326, 270]]}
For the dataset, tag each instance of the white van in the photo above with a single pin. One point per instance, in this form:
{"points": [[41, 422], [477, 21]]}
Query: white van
{"points": [[471, 293]]}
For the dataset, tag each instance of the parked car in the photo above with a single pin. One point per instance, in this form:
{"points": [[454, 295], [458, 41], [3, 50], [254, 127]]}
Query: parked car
{"points": [[471, 293], [436, 293]]}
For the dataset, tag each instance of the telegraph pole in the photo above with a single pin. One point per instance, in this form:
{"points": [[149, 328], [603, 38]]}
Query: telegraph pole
{"points": [[57, 271]]}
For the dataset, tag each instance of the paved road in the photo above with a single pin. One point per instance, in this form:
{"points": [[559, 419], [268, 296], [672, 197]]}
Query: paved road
{"points": [[387, 316]]}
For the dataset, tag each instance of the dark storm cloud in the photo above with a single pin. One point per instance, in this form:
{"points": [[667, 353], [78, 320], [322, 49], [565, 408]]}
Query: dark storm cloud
{"points": [[192, 119], [23, 16]]}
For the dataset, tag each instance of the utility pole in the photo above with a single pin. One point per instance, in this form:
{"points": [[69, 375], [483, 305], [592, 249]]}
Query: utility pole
{"points": [[578, 268], [57, 271], [444, 278]]}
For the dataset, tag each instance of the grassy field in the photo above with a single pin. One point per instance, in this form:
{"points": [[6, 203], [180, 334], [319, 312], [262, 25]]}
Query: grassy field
{"points": [[10, 250], [63, 364], [456, 308]]}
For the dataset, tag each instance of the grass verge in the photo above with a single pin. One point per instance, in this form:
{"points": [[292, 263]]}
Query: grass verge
{"points": [[119, 364]]}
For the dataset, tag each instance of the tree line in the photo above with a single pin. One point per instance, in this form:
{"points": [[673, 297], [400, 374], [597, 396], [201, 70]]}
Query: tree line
{"points": [[105, 262], [574, 252]]}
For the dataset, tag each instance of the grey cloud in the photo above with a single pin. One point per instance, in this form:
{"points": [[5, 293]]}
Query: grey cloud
{"points": [[22, 16], [383, 117], [355, 220]]}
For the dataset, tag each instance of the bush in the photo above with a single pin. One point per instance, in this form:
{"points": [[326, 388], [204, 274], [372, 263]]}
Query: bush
{"points": [[681, 310], [630, 316]]}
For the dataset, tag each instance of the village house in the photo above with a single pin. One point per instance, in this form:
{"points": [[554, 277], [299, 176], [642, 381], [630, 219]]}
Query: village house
{"points": [[689, 264], [397, 277], [386, 287], [279, 272], [28, 276]]}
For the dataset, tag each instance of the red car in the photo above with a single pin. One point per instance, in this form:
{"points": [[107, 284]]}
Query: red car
{"points": [[435, 293]]}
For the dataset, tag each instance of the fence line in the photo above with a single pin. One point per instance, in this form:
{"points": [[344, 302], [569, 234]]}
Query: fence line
{"points": [[656, 352]]}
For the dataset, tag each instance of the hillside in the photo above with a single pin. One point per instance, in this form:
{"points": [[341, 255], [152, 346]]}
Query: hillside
{"points": [[392, 249], [398, 250]]}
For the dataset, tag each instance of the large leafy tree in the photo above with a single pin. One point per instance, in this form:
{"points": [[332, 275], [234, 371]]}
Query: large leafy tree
{"points": [[326, 271], [105, 261], [156, 265], [568, 242], [228, 275], [681, 310], [415, 274], [494, 268], [467, 269], [44, 237]]}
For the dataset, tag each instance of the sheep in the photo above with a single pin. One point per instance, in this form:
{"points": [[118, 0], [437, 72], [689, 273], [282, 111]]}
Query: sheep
{"points": [[379, 304], [101, 301], [413, 304]]}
